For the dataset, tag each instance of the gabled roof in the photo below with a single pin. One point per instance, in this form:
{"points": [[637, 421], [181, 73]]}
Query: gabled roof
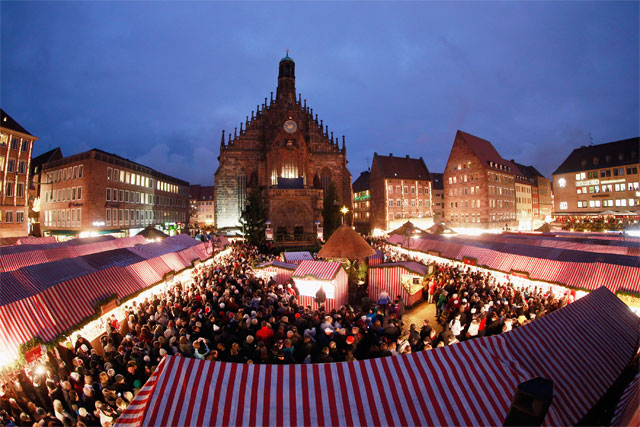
{"points": [[529, 171], [401, 167], [7, 122], [437, 182], [486, 152], [43, 158], [600, 156], [362, 183]]}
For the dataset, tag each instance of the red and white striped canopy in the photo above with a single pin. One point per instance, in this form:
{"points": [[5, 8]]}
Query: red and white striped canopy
{"points": [[426, 388], [323, 270], [582, 348], [35, 300], [577, 269], [627, 411], [297, 257]]}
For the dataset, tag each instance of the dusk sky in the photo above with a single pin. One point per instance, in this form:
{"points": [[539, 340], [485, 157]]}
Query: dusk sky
{"points": [[156, 82]]}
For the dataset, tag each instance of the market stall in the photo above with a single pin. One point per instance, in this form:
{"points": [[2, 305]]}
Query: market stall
{"points": [[310, 276], [278, 270], [397, 278]]}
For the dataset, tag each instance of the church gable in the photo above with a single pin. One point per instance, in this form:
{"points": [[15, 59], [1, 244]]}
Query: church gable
{"points": [[282, 139]]}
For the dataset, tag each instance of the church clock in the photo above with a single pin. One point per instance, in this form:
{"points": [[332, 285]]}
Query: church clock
{"points": [[290, 126]]}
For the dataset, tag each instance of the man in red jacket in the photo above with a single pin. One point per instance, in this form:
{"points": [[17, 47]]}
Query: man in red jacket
{"points": [[265, 334]]}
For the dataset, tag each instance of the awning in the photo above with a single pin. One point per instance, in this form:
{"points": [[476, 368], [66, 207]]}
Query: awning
{"points": [[470, 383]]}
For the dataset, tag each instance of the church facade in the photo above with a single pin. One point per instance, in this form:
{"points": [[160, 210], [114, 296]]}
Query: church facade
{"points": [[285, 152]]}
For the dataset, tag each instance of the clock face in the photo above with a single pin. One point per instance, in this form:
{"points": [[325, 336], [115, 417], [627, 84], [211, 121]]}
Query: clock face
{"points": [[290, 126]]}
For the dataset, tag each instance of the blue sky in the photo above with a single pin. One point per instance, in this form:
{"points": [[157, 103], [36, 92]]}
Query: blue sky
{"points": [[158, 81]]}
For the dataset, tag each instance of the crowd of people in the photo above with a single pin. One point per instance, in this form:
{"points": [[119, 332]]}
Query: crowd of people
{"points": [[226, 313]]}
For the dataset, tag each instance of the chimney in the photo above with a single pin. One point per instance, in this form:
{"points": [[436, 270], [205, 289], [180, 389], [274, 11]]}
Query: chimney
{"points": [[407, 156], [390, 154]]}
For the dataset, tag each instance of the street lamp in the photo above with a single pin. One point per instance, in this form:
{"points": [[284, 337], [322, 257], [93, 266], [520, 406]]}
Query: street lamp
{"points": [[344, 211]]}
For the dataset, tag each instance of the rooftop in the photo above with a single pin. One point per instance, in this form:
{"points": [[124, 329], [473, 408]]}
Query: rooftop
{"points": [[486, 152], [362, 183], [610, 154], [8, 122], [400, 167]]}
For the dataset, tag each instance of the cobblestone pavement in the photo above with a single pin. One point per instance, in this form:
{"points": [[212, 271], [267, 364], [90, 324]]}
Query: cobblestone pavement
{"points": [[418, 313]]}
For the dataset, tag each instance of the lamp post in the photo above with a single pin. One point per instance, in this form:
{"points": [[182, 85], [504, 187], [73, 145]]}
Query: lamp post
{"points": [[344, 211]]}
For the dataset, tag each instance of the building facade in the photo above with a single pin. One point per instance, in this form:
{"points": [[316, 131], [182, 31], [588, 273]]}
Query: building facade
{"points": [[524, 201], [479, 186], [400, 192], [541, 205], [35, 186], [287, 154], [599, 179], [202, 209], [16, 147], [99, 192], [437, 195], [362, 203]]}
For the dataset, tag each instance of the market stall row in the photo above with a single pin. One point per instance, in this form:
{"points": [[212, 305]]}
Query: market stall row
{"points": [[13, 260], [617, 247], [581, 353], [38, 297], [574, 269]]}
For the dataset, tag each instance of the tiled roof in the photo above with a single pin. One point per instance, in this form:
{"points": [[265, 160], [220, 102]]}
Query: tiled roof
{"points": [[401, 167], [7, 122], [486, 152], [362, 183], [611, 154]]}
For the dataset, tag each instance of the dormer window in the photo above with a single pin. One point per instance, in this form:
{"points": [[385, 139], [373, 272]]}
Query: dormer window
{"points": [[583, 162], [608, 158], [620, 156], [595, 160]]}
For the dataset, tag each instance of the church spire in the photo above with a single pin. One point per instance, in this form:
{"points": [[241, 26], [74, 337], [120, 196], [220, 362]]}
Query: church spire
{"points": [[286, 80]]}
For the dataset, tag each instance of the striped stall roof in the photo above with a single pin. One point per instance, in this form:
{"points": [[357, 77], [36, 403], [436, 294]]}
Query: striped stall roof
{"points": [[376, 258], [585, 270], [297, 257], [145, 272], [443, 386], [13, 261], [347, 393], [31, 240], [414, 267], [627, 411], [174, 261], [581, 348], [35, 300], [323, 270], [280, 264]]}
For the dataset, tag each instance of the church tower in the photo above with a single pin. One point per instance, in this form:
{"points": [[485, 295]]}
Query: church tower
{"points": [[286, 92], [283, 150]]}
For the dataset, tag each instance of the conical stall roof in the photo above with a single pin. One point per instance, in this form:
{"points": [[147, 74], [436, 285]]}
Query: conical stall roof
{"points": [[440, 229], [407, 229], [545, 228], [346, 243], [152, 233]]}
